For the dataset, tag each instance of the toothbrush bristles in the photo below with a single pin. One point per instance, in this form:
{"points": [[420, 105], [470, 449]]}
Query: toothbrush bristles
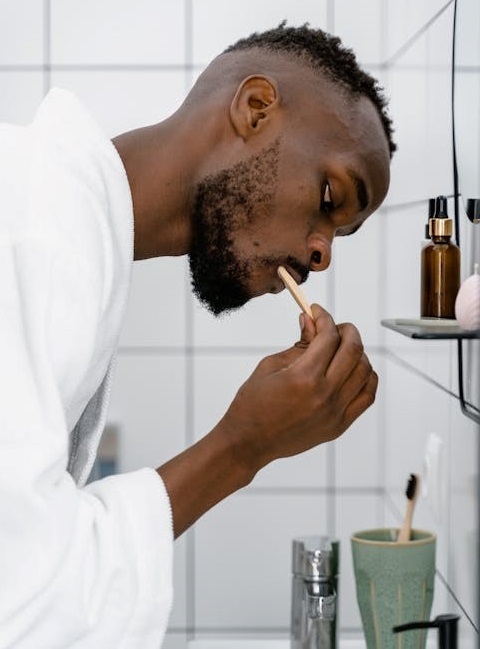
{"points": [[411, 487]]}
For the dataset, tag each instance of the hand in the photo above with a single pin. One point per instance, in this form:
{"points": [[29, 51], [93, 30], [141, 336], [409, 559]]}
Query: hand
{"points": [[294, 400], [304, 396]]}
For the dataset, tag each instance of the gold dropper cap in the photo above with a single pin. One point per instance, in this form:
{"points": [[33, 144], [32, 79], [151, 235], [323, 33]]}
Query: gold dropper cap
{"points": [[440, 225], [440, 228]]}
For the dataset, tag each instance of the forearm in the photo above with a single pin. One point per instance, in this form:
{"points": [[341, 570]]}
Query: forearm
{"points": [[203, 475]]}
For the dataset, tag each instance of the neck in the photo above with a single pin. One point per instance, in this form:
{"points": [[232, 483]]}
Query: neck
{"points": [[160, 187]]}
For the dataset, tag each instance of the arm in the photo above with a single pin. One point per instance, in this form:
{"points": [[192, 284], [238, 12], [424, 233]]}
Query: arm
{"points": [[293, 401], [92, 563], [91, 566]]}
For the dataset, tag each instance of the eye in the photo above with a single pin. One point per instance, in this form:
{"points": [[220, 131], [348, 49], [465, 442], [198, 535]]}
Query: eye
{"points": [[326, 204]]}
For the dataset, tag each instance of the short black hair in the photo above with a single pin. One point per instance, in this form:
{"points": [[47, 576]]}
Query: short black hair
{"points": [[326, 54]]}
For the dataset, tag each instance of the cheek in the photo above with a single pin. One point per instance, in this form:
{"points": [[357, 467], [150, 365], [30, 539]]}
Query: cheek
{"points": [[295, 217], [297, 195], [282, 230]]}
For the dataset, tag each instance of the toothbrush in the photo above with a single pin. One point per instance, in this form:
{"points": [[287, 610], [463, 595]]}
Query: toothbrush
{"points": [[294, 289], [411, 492]]}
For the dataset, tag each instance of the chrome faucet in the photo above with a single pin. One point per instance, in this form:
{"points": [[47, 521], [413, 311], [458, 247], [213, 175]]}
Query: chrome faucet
{"points": [[314, 593]]}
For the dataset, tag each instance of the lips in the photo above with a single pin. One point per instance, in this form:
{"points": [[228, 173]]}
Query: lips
{"points": [[277, 288], [296, 275], [279, 285]]}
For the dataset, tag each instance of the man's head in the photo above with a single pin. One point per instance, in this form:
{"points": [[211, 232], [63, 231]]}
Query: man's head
{"points": [[302, 156]]}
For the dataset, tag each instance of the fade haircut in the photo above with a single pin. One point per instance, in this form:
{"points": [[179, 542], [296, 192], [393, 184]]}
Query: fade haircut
{"points": [[326, 54]]}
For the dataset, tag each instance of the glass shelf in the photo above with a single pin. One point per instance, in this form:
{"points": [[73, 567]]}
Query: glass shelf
{"points": [[429, 329]]}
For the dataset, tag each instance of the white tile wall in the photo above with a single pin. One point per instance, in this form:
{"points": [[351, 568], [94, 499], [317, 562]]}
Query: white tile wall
{"points": [[468, 21], [463, 550], [359, 452], [419, 86], [243, 558], [467, 133], [419, 148], [434, 359], [152, 420], [121, 100], [413, 414], [157, 313], [217, 24], [175, 641], [359, 24], [403, 239], [131, 64], [21, 33], [117, 32], [407, 18], [21, 93], [357, 266]]}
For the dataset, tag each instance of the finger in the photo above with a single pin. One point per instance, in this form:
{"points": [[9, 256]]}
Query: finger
{"points": [[356, 381], [322, 333], [280, 360], [307, 331], [320, 314], [349, 353], [363, 400], [324, 344]]}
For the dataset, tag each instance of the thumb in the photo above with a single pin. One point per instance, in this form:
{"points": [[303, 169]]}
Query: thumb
{"points": [[307, 331]]}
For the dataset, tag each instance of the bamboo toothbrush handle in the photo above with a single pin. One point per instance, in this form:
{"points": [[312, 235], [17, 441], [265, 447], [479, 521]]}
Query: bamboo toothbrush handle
{"points": [[406, 529], [295, 291]]}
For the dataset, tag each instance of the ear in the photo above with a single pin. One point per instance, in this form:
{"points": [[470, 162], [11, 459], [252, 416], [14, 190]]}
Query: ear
{"points": [[256, 99]]}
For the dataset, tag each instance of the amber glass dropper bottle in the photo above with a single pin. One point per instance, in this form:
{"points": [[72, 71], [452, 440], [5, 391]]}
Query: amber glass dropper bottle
{"points": [[440, 262]]}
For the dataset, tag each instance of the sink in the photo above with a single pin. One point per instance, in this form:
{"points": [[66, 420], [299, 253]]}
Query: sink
{"points": [[230, 643], [238, 644], [208, 643]]}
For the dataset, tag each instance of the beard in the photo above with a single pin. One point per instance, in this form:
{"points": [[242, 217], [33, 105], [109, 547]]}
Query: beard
{"points": [[218, 277], [225, 203]]}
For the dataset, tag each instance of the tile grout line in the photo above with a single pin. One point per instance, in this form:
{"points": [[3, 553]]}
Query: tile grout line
{"points": [[406, 46], [414, 370], [47, 46]]}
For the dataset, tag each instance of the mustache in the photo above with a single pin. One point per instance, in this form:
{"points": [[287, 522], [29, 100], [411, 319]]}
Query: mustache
{"points": [[301, 269]]}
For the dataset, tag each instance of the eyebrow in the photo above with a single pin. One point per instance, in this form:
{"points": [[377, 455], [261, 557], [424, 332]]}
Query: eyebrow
{"points": [[362, 194]]}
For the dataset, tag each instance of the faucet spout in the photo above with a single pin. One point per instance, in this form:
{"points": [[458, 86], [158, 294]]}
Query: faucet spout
{"points": [[314, 593], [321, 600]]}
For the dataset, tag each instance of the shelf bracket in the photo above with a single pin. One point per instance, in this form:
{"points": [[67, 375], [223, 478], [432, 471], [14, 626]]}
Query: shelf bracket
{"points": [[441, 331], [472, 412]]}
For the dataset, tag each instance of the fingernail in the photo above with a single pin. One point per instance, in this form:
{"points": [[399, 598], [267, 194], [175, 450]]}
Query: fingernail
{"points": [[301, 319]]}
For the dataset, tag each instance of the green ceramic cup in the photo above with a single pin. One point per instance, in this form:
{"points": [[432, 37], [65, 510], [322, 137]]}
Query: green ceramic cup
{"points": [[394, 583]]}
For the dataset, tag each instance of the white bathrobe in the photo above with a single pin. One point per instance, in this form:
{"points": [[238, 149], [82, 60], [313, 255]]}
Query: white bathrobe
{"points": [[80, 567]]}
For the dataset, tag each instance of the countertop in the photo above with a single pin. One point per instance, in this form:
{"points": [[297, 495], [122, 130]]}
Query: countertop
{"points": [[218, 643], [260, 644]]}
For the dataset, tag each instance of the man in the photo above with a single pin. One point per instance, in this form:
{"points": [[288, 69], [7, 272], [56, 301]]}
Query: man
{"points": [[282, 144]]}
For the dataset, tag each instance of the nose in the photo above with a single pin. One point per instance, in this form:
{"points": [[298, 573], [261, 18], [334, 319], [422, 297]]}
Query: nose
{"points": [[320, 248]]}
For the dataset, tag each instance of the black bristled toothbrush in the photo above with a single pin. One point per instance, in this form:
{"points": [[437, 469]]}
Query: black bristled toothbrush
{"points": [[411, 492]]}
